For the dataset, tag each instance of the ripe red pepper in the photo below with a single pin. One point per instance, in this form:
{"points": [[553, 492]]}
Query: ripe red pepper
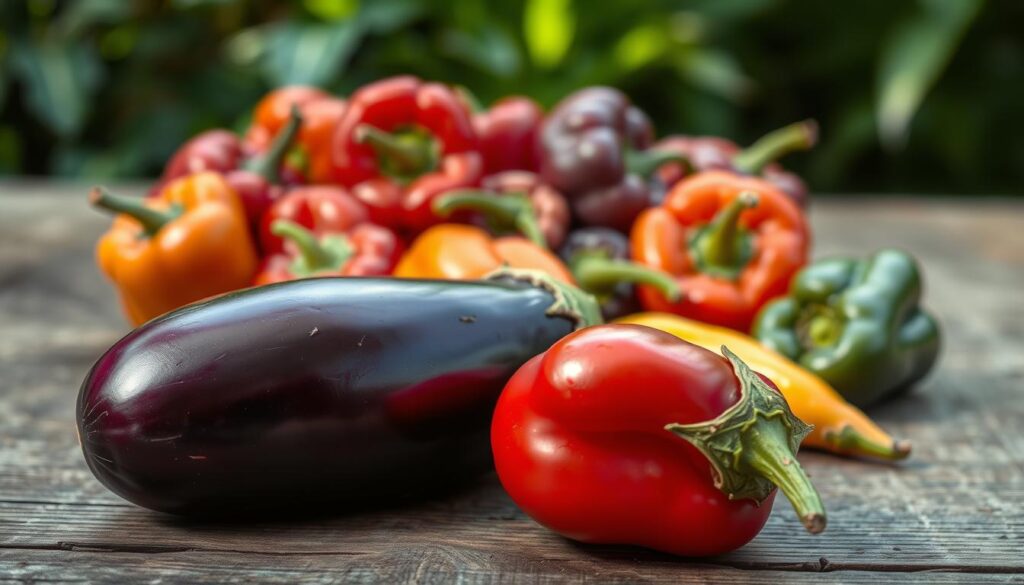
{"points": [[321, 208], [321, 114], [628, 435], [732, 242], [400, 144], [514, 202], [508, 134], [704, 153], [364, 249], [593, 149], [255, 178]]}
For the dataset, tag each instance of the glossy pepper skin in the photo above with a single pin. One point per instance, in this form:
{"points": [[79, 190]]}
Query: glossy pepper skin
{"points": [[254, 176], [321, 114], [704, 153], [400, 144], [365, 249], [508, 134], [732, 242], [599, 260], [515, 202], [857, 323], [189, 243], [320, 208], [592, 148], [317, 393], [464, 252], [839, 427], [625, 434]]}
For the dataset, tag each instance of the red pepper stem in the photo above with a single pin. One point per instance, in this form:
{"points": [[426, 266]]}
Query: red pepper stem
{"points": [[314, 255], [767, 452], [406, 155], [595, 272], [646, 162], [775, 145], [151, 219], [720, 244], [752, 447], [511, 211], [268, 163]]}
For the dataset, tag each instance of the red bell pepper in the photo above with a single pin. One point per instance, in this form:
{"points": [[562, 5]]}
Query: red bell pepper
{"points": [[508, 134], [400, 144], [514, 202], [732, 242], [626, 434], [704, 153], [255, 178], [363, 250], [321, 113], [321, 208]]}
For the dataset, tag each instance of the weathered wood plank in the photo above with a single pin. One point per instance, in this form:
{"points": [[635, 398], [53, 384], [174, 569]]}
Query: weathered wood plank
{"points": [[424, 565], [957, 506]]}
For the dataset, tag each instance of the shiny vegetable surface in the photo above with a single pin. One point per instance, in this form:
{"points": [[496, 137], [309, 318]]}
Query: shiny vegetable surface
{"points": [[626, 434], [704, 153], [189, 242], [839, 427], [857, 323], [402, 143], [732, 243], [318, 392], [593, 150]]}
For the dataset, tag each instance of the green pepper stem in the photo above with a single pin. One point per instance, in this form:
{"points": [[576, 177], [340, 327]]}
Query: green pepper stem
{"points": [[314, 255], [767, 451], [472, 102], [509, 210], [407, 156], [775, 145], [267, 164], [595, 272], [645, 162], [848, 439], [151, 219], [719, 244], [752, 447]]}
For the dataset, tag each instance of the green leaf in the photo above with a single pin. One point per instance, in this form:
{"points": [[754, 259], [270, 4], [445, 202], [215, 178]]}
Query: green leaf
{"points": [[59, 78], [331, 10], [714, 71], [918, 51], [641, 45], [548, 27], [83, 14], [384, 16], [309, 54], [492, 50]]}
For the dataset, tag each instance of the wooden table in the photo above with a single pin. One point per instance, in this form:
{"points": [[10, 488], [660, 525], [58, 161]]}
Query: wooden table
{"points": [[954, 512]]}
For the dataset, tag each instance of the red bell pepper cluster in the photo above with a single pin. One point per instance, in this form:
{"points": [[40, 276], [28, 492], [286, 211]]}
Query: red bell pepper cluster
{"points": [[590, 179]]}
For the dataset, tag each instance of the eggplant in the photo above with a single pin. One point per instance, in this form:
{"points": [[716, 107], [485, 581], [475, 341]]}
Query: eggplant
{"points": [[327, 391]]}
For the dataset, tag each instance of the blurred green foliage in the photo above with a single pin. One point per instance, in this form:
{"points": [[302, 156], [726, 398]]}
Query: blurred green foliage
{"points": [[912, 96]]}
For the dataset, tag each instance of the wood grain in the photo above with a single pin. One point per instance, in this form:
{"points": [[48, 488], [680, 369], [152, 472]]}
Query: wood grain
{"points": [[954, 513]]}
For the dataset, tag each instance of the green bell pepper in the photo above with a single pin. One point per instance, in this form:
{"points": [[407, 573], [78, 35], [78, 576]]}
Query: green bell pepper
{"points": [[856, 323]]}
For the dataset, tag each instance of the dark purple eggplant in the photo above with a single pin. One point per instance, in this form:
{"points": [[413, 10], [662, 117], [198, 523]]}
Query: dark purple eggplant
{"points": [[335, 391]]}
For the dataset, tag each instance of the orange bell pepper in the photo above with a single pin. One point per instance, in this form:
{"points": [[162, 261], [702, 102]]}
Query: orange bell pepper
{"points": [[732, 243], [464, 252], [189, 242]]}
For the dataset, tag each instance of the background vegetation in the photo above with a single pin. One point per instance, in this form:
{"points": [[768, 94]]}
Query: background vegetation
{"points": [[913, 96]]}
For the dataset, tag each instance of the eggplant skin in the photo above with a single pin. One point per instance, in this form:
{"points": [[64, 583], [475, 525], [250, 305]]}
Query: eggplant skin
{"points": [[328, 391]]}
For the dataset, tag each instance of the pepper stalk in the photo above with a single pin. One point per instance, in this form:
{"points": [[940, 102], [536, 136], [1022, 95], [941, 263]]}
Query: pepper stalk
{"points": [[328, 253]]}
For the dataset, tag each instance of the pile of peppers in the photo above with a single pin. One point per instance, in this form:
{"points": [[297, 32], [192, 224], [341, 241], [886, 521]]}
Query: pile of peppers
{"points": [[406, 269]]}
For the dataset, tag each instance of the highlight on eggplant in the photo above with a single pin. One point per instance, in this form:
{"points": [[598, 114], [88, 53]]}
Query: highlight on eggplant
{"points": [[326, 391]]}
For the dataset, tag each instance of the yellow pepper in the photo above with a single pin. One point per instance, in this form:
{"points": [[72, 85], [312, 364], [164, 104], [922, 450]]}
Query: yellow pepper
{"points": [[839, 427]]}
